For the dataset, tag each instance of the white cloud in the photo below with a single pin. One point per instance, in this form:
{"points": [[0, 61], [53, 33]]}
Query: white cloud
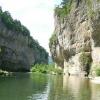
{"points": [[37, 15]]}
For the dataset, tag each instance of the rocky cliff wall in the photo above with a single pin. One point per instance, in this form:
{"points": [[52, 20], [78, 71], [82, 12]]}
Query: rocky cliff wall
{"points": [[77, 32], [18, 51]]}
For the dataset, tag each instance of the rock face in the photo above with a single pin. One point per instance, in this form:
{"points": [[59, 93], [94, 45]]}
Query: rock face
{"points": [[76, 33], [18, 51]]}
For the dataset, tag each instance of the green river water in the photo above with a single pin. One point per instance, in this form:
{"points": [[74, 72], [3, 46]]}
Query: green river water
{"points": [[47, 87]]}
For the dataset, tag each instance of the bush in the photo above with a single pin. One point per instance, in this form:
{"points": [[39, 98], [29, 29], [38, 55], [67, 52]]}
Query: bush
{"points": [[64, 8], [85, 60], [97, 71], [43, 68], [53, 40], [61, 12]]}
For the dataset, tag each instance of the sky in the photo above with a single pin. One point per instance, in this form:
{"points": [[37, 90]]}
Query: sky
{"points": [[36, 15]]}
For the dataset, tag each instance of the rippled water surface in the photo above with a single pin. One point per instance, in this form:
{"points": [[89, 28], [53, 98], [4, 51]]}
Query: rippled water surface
{"points": [[47, 87]]}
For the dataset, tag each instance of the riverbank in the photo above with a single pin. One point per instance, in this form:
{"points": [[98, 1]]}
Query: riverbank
{"points": [[5, 73]]}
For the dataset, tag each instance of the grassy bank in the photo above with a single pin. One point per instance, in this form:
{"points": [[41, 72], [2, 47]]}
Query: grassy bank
{"points": [[44, 68]]}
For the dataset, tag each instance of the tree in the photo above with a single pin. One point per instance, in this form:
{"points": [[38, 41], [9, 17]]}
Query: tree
{"points": [[85, 60]]}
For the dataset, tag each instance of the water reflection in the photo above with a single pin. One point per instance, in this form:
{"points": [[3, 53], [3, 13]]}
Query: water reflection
{"points": [[47, 87], [41, 87], [95, 91], [79, 87], [21, 86], [55, 88]]}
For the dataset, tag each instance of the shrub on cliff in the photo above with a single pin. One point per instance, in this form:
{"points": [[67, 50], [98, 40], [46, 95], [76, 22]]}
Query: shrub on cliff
{"points": [[64, 8], [53, 40], [85, 60]]}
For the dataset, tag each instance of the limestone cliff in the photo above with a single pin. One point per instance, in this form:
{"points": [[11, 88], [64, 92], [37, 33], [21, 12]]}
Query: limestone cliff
{"points": [[18, 50], [76, 35]]}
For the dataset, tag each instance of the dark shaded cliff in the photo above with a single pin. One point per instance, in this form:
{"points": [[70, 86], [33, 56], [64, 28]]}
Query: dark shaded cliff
{"points": [[75, 44], [18, 50]]}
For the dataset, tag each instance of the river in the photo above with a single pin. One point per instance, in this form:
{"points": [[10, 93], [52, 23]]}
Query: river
{"points": [[47, 87]]}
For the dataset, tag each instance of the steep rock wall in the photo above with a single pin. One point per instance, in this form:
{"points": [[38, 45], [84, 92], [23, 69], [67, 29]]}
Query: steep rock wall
{"points": [[18, 51], [77, 32]]}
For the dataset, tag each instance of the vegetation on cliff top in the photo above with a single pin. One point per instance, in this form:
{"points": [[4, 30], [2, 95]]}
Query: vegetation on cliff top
{"points": [[64, 8], [41, 55], [14, 25], [61, 11]]}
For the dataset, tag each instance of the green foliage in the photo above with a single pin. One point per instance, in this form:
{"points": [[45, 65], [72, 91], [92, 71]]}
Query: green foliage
{"points": [[89, 2], [63, 9], [43, 68], [12, 24], [97, 71], [41, 56], [61, 12], [53, 40], [85, 61], [91, 12]]}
